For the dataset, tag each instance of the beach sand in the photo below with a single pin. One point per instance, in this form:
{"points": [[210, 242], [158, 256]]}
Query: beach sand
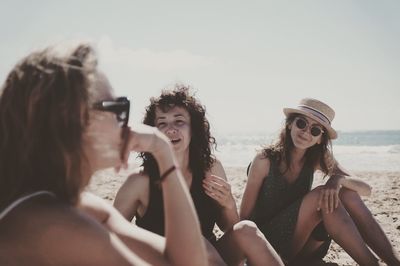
{"points": [[383, 203]]}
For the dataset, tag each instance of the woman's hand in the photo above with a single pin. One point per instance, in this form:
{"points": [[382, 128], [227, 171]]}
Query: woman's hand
{"points": [[220, 190], [329, 194], [144, 138]]}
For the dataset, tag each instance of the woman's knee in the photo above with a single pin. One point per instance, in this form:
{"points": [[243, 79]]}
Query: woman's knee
{"points": [[247, 230], [312, 198], [348, 195], [245, 227], [353, 202], [309, 212]]}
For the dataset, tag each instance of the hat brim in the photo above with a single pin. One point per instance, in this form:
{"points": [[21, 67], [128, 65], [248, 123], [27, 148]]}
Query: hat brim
{"points": [[332, 133]]}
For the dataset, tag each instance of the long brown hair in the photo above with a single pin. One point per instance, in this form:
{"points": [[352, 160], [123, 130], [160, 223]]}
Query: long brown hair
{"points": [[201, 143], [319, 154], [43, 113]]}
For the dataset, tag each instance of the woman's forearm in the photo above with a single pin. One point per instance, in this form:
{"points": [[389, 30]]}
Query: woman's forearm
{"points": [[229, 217], [362, 188]]}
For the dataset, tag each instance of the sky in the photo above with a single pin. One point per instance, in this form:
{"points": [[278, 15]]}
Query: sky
{"points": [[245, 60]]}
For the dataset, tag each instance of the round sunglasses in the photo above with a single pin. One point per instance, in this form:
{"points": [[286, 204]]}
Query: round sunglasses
{"points": [[302, 124]]}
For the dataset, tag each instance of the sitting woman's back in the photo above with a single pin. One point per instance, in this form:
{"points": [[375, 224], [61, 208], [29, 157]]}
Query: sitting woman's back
{"points": [[42, 230]]}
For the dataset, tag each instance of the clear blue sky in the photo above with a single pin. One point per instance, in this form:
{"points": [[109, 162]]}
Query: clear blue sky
{"points": [[246, 59]]}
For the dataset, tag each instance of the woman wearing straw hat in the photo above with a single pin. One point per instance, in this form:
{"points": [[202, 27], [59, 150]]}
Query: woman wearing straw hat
{"points": [[298, 221]]}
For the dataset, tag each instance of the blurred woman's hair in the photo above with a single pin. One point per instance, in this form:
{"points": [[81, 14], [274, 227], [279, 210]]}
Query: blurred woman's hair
{"points": [[201, 144], [44, 106]]}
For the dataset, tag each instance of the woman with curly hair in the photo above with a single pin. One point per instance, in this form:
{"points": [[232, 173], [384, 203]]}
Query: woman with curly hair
{"points": [[181, 117], [298, 221], [59, 123]]}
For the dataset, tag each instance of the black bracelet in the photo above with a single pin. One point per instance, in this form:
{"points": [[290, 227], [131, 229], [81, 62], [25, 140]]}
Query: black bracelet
{"points": [[166, 173]]}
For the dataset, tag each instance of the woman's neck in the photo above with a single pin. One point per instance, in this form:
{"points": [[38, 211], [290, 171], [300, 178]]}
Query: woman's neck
{"points": [[183, 160], [291, 172], [297, 156]]}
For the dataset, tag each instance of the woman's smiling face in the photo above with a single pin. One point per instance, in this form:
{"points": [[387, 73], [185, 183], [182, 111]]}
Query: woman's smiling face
{"points": [[175, 124], [302, 137]]}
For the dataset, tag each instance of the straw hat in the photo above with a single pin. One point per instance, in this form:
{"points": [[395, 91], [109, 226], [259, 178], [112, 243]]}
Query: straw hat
{"points": [[316, 110]]}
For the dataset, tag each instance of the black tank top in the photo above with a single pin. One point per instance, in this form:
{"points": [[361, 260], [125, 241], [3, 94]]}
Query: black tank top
{"points": [[206, 208]]}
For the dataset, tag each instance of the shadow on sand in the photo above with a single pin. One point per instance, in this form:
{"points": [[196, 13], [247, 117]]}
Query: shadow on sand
{"points": [[314, 263]]}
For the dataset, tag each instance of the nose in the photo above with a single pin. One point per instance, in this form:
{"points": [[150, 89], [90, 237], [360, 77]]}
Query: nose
{"points": [[306, 129], [171, 130]]}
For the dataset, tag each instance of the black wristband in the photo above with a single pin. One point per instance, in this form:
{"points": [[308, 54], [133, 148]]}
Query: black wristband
{"points": [[167, 173]]}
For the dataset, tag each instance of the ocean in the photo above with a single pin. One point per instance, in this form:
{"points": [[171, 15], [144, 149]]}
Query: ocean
{"points": [[355, 151]]}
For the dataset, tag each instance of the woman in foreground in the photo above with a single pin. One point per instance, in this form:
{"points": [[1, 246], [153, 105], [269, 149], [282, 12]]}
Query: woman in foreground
{"points": [[59, 123]]}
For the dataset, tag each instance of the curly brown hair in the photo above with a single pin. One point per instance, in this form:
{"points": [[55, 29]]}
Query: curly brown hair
{"points": [[202, 142], [44, 112], [319, 154]]}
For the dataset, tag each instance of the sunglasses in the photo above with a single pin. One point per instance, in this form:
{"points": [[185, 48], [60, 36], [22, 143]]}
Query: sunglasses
{"points": [[302, 124], [120, 107]]}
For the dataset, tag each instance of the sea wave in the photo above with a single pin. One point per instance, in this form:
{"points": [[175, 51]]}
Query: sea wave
{"points": [[357, 158], [356, 138], [394, 149], [351, 149]]}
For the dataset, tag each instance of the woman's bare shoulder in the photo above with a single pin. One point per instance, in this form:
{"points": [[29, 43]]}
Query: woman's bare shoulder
{"points": [[41, 220], [137, 183], [66, 234], [133, 195], [260, 156], [49, 214], [217, 168], [137, 177], [259, 167]]}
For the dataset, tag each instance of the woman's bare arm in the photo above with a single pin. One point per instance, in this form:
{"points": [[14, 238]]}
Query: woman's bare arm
{"points": [[362, 188], [259, 169], [345, 179], [329, 195], [217, 187], [132, 195]]}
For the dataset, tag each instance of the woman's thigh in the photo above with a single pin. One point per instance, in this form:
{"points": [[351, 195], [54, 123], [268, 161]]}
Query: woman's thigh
{"points": [[308, 218], [147, 245], [214, 252]]}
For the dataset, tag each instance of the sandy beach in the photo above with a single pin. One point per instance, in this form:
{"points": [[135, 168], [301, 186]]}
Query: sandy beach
{"points": [[383, 203]]}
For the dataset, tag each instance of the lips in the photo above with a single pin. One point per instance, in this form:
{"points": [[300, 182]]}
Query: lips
{"points": [[175, 141], [301, 137]]}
